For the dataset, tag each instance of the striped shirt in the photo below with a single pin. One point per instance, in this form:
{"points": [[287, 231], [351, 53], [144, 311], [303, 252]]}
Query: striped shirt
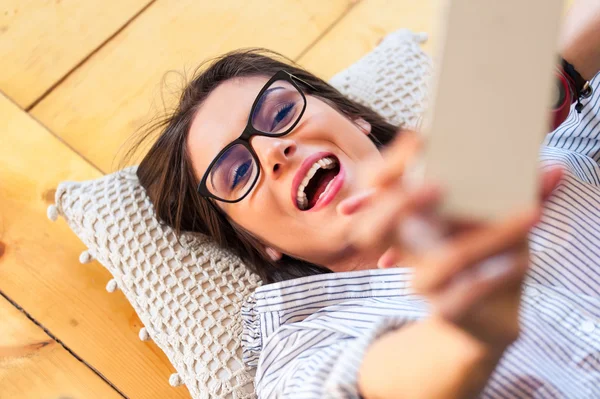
{"points": [[307, 336]]}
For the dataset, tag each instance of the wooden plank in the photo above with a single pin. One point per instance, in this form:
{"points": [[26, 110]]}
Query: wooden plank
{"points": [[35, 366], [103, 102], [40, 271], [41, 41], [363, 28]]}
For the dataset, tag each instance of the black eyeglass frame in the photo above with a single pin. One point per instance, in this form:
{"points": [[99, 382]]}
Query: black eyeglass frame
{"points": [[249, 132]]}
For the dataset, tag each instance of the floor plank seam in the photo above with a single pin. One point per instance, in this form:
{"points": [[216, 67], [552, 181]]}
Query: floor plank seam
{"points": [[87, 57], [34, 321], [69, 146], [328, 29], [54, 134]]}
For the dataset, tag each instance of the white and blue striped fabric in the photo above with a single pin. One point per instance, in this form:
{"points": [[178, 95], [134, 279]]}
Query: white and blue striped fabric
{"points": [[307, 336]]}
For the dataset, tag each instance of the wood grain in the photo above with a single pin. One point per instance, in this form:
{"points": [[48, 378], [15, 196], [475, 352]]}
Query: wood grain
{"points": [[109, 97], [363, 28], [365, 25], [35, 366], [41, 41], [40, 271]]}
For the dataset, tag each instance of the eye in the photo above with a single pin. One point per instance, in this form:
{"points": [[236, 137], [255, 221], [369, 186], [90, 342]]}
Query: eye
{"points": [[241, 172], [282, 115]]}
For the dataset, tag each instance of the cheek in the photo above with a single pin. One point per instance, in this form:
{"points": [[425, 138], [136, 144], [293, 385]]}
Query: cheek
{"points": [[258, 215], [327, 124], [363, 145], [354, 142], [332, 126]]}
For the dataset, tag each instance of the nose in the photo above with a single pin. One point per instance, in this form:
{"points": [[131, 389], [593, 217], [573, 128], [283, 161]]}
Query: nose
{"points": [[274, 153]]}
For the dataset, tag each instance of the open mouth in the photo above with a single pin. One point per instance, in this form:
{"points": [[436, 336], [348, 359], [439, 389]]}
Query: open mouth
{"points": [[317, 182]]}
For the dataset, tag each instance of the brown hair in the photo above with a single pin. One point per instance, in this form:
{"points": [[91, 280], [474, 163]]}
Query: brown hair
{"points": [[166, 170]]}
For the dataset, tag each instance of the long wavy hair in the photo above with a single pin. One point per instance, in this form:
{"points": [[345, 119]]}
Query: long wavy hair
{"points": [[166, 169]]}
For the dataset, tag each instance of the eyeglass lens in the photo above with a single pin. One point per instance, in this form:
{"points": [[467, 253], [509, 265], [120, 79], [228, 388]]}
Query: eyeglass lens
{"points": [[275, 111]]}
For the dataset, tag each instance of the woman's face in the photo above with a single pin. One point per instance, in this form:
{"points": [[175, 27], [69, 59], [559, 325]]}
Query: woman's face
{"points": [[274, 211]]}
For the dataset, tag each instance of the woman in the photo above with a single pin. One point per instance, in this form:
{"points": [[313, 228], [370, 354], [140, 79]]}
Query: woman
{"points": [[265, 157]]}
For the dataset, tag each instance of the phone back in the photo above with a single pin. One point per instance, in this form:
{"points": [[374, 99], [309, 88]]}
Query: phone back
{"points": [[489, 108]]}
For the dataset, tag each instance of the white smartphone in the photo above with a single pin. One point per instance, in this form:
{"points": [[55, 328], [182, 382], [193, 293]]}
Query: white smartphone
{"points": [[490, 102]]}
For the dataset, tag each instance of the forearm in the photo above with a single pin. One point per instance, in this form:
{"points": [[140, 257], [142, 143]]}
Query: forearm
{"points": [[428, 359], [580, 38]]}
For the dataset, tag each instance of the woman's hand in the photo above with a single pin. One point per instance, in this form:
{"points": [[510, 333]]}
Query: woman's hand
{"points": [[474, 279], [386, 208], [471, 272]]}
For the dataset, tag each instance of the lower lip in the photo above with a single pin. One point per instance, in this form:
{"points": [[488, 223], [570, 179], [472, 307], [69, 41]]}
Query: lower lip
{"points": [[336, 185]]}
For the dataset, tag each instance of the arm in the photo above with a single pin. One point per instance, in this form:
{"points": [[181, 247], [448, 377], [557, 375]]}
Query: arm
{"points": [[580, 39], [476, 305], [475, 295], [318, 359], [461, 365]]}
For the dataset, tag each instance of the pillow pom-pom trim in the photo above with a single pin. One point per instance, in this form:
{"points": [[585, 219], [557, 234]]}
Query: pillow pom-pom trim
{"points": [[86, 257], [175, 380], [52, 213], [112, 285], [143, 334]]}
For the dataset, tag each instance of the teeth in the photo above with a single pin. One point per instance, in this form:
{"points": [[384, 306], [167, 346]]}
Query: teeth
{"points": [[302, 203], [325, 163]]}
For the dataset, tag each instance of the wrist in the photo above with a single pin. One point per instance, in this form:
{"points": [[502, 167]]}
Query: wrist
{"points": [[477, 359], [400, 363], [474, 349], [581, 60]]}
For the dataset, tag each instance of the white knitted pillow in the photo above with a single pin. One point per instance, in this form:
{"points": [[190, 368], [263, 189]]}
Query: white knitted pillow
{"points": [[189, 293]]}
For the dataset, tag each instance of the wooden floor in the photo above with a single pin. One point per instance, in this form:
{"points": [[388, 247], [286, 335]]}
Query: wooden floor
{"points": [[77, 77]]}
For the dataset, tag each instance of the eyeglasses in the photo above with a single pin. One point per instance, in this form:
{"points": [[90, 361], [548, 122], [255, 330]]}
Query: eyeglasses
{"points": [[277, 109]]}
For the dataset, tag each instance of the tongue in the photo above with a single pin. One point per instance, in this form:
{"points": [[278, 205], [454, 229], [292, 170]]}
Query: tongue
{"points": [[323, 180]]}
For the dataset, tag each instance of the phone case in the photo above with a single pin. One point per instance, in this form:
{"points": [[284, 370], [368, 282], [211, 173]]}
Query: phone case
{"points": [[489, 107]]}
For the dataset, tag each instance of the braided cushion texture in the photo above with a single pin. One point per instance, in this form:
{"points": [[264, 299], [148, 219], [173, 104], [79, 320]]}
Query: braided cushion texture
{"points": [[186, 290]]}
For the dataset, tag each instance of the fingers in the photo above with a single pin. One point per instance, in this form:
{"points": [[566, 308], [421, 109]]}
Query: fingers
{"points": [[356, 202], [473, 286], [378, 230], [421, 233], [470, 248], [390, 258], [416, 235], [398, 155], [377, 175]]}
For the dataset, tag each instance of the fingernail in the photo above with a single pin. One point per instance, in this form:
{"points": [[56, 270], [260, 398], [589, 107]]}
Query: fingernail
{"points": [[350, 204], [431, 190], [495, 267], [419, 235], [386, 260]]}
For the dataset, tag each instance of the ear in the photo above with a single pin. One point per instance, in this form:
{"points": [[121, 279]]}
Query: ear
{"points": [[363, 125], [274, 254]]}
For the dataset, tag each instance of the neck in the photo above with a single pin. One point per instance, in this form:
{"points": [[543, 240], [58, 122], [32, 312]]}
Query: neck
{"points": [[350, 259]]}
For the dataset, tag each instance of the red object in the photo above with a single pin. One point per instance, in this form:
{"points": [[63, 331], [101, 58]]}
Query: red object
{"points": [[563, 101]]}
